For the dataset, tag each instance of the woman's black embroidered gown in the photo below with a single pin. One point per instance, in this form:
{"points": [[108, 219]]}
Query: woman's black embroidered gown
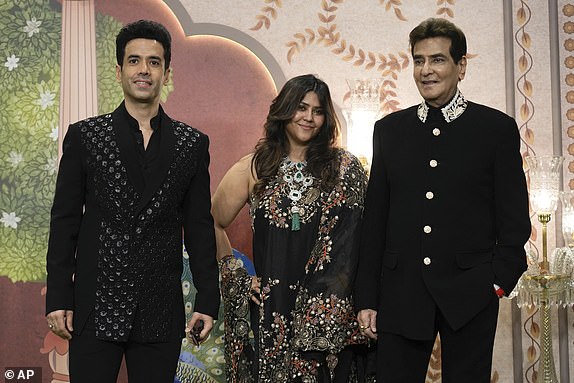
{"points": [[306, 317]]}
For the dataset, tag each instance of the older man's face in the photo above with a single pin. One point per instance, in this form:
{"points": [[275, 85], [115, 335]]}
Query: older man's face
{"points": [[435, 72]]}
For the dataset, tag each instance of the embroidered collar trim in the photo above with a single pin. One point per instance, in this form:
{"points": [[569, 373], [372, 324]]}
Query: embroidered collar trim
{"points": [[450, 112]]}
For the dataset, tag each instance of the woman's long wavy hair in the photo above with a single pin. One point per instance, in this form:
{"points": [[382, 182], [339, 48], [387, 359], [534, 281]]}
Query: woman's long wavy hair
{"points": [[321, 153]]}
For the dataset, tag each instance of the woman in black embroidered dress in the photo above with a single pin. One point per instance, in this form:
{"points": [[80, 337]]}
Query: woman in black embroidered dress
{"points": [[293, 320]]}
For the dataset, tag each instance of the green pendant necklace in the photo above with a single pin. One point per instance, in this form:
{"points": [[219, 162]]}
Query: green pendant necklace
{"points": [[298, 183]]}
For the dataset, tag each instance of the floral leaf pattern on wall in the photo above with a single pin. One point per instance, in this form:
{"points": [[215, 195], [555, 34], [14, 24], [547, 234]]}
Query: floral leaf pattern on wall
{"points": [[395, 4], [109, 92], [525, 89], [526, 110], [328, 35], [444, 8], [29, 118], [30, 56], [523, 85], [267, 12], [532, 330]]}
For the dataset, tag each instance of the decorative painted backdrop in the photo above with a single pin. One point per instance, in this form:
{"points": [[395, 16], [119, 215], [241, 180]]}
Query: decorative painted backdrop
{"points": [[230, 56]]}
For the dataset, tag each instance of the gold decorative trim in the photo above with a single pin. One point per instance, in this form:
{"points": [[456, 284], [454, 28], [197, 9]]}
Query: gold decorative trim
{"points": [[568, 44], [568, 28]]}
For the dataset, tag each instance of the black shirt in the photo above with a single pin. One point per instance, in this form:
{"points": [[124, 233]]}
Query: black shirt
{"points": [[148, 158]]}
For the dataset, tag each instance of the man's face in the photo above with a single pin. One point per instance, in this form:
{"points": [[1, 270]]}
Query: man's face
{"points": [[142, 74], [435, 72]]}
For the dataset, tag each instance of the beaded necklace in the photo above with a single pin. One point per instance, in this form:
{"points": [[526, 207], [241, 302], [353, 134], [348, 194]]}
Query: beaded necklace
{"points": [[298, 184]]}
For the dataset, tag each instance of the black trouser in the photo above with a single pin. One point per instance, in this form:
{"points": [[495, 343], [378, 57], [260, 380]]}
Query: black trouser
{"points": [[98, 361], [466, 354]]}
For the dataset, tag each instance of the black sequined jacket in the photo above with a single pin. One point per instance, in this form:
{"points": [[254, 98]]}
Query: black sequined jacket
{"points": [[115, 246]]}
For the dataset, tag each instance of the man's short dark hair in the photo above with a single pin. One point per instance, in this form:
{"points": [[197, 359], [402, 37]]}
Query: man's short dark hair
{"points": [[435, 27], [143, 29]]}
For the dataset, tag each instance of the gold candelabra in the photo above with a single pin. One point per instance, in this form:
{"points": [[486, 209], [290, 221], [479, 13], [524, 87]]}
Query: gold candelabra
{"points": [[544, 218], [544, 284]]}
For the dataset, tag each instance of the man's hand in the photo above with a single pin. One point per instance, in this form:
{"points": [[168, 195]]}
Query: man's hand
{"points": [[368, 323], [256, 290], [60, 323], [199, 327]]}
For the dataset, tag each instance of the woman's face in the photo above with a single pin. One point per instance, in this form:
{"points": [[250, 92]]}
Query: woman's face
{"points": [[306, 122]]}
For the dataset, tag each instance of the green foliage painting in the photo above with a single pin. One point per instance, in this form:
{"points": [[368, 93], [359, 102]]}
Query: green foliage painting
{"points": [[29, 119], [29, 114], [30, 78]]}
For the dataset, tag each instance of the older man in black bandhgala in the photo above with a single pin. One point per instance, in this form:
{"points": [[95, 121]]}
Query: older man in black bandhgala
{"points": [[445, 222]]}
